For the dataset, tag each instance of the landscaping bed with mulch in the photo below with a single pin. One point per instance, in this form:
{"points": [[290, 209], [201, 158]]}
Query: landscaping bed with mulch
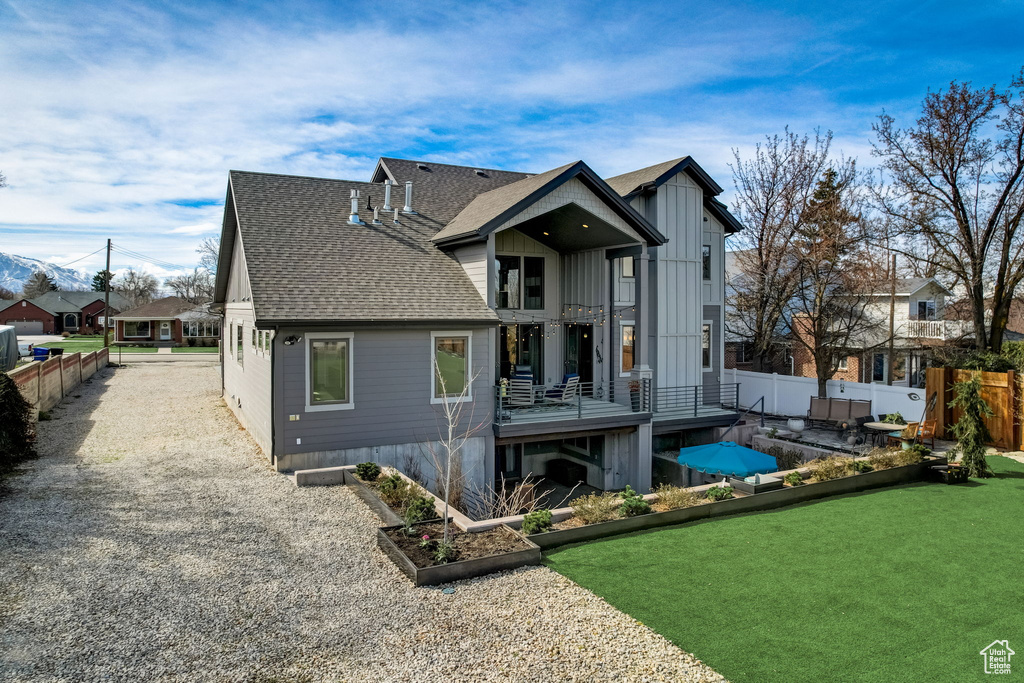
{"points": [[466, 546]]}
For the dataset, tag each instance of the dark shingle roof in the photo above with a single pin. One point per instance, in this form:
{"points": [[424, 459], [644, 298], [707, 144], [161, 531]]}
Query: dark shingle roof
{"points": [[70, 302], [453, 187], [168, 307], [489, 210], [306, 263]]}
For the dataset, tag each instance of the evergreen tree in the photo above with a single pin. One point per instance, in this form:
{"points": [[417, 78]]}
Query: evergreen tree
{"points": [[100, 279], [37, 284], [16, 430], [970, 430]]}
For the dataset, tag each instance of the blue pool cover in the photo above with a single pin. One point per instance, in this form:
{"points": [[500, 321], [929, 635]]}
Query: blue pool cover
{"points": [[727, 457]]}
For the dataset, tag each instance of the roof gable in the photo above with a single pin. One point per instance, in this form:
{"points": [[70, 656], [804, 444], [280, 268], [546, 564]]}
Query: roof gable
{"points": [[493, 210], [653, 177]]}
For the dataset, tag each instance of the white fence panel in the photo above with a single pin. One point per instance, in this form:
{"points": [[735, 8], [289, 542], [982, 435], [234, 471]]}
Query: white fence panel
{"points": [[785, 395]]}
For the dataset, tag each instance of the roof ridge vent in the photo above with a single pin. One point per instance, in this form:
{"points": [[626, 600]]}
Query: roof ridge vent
{"points": [[353, 218]]}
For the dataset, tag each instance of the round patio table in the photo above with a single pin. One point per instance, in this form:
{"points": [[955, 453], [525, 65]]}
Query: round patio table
{"points": [[882, 428]]}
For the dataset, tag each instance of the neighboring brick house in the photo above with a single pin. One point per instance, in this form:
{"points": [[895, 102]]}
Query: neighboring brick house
{"points": [[169, 320], [57, 312]]}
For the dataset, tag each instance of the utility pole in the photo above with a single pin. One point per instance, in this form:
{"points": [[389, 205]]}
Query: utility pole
{"points": [[106, 300], [892, 322]]}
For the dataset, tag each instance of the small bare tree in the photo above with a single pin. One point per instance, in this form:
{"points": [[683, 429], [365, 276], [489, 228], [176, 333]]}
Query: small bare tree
{"points": [[455, 429], [772, 190], [955, 179], [209, 250], [195, 287]]}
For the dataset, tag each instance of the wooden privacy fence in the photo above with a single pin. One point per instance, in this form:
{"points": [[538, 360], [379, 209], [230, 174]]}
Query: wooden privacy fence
{"points": [[999, 389]]}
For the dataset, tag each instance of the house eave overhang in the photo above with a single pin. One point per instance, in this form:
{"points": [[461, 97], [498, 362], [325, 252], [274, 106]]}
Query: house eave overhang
{"points": [[594, 182], [227, 244], [691, 167], [721, 212]]}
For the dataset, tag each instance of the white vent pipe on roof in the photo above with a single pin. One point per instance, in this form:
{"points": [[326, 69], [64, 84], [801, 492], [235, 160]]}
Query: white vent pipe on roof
{"points": [[353, 217], [408, 198], [387, 194], [376, 216]]}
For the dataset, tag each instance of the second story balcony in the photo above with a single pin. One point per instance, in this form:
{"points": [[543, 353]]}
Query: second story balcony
{"points": [[942, 330]]}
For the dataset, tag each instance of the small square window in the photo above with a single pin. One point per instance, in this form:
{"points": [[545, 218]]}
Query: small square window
{"points": [[628, 348]]}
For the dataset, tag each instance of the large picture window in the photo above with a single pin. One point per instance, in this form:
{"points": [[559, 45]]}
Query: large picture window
{"points": [[200, 328], [329, 371], [451, 361], [520, 282], [628, 347], [136, 328]]}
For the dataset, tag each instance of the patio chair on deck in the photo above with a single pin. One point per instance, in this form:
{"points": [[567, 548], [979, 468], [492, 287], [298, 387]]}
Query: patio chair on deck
{"points": [[520, 389], [565, 392], [818, 411]]}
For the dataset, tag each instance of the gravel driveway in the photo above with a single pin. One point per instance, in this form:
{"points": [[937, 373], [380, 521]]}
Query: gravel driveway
{"points": [[152, 541]]}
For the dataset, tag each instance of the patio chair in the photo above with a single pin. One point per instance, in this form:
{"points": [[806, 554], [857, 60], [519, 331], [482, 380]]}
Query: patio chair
{"points": [[839, 409], [564, 392], [860, 409], [927, 433], [818, 410], [520, 389]]}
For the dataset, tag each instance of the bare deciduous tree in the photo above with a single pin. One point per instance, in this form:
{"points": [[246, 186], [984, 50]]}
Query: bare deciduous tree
{"points": [[208, 251], [6, 294], [772, 190], [195, 287], [828, 314], [956, 178], [137, 287]]}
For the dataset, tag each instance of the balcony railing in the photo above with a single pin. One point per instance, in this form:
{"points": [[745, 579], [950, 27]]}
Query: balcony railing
{"points": [[936, 329], [694, 401], [516, 403]]}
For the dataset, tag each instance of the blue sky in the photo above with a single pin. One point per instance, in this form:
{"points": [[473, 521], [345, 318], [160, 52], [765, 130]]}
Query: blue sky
{"points": [[122, 119]]}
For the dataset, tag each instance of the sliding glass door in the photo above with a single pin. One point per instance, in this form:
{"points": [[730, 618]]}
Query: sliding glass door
{"points": [[522, 346]]}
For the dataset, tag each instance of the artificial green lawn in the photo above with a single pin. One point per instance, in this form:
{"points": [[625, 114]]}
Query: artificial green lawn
{"points": [[906, 584]]}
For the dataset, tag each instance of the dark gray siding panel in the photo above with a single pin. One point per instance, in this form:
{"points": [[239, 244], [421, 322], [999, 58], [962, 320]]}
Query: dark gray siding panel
{"points": [[391, 391], [713, 378]]}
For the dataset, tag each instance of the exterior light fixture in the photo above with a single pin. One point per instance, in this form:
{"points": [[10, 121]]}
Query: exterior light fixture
{"points": [[585, 225]]}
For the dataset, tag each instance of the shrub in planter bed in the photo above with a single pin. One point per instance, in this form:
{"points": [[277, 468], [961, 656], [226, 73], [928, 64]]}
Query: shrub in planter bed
{"points": [[675, 497], [537, 522], [719, 493], [785, 459], [883, 458], [596, 507], [393, 489], [633, 503], [859, 466], [912, 455], [368, 471], [419, 508], [794, 479], [831, 467]]}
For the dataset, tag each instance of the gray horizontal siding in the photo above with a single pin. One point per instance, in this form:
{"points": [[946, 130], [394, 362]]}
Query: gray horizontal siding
{"points": [[391, 391]]}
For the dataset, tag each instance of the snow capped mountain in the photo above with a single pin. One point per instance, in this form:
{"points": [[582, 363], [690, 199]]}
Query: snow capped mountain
{"points": [[14, 270]]}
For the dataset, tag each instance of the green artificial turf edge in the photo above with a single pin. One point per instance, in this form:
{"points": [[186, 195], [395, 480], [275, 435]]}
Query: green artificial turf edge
{"points": [[907, 583]]}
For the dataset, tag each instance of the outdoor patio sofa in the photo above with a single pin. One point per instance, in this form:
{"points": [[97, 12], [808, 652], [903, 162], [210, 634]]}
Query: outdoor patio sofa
{"points": [[837, 410]]}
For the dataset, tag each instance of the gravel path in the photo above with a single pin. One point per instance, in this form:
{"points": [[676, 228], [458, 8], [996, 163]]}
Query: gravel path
{"points": [[153, 542]]}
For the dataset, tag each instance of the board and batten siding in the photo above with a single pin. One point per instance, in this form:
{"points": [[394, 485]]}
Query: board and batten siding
{"points": [[391, 392], [246, 386], [475, 261], [679, 210], [714, 236]]}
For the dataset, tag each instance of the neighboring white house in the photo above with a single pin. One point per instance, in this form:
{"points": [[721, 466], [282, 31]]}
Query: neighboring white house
{"points": [[582, 317]]}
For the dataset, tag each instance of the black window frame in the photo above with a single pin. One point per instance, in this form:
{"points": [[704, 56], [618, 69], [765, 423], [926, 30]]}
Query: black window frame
{"points": [[705, 257], [523, 298]]}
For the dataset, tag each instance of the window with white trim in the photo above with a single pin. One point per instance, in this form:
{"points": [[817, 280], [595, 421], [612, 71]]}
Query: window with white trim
{"points": [[199, 328], [328, 371], [239, 344], [844, 363], [451, 358]]}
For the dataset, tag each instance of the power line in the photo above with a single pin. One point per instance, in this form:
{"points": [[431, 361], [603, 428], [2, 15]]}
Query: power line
{"points": [[54, 266]]}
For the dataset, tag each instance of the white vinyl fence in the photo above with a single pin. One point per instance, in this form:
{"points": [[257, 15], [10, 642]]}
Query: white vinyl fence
{"points": [[791, 396]]}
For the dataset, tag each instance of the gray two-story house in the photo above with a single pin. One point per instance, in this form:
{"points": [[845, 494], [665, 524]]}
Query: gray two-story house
{"points": [[579, 320]]}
